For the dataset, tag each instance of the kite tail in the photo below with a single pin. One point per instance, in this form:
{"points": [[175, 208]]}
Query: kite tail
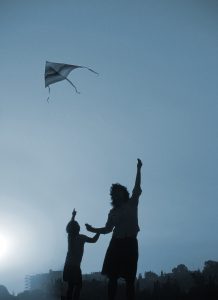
{"points": [[72, 85], [49, 94]]}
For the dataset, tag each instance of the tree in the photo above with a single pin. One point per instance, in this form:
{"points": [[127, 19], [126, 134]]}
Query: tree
{"points": [[180, 269], [183, 277], [210, 270], [151, 276], [4, 294]]}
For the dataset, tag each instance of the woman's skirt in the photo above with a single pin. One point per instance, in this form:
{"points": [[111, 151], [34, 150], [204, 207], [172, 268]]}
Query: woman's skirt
{"points": [[121, 258]]}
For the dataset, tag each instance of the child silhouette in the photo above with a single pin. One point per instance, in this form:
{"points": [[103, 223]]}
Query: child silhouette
{"points": [[72, 272]]}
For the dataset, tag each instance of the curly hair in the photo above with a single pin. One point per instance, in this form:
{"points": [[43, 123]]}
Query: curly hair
{"points": [[114, 190]]}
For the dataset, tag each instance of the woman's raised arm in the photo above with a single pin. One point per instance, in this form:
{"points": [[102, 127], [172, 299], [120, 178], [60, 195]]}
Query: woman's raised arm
{"points": [[137, 187]]}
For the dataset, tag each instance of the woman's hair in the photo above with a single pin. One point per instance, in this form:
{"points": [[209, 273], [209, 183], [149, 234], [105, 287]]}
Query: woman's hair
{"points": [[116, 188], [73, 227]]}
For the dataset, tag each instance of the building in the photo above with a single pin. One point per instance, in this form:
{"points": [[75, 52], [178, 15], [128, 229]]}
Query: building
{"points": [[42, 281], [46, 280]]}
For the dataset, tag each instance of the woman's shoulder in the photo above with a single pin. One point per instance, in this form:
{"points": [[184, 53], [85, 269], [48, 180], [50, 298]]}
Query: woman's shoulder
{"points": [[112, 211], [116, 211]]}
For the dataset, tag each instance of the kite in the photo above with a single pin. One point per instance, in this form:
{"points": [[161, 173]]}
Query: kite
{"points": [[55, 72]]}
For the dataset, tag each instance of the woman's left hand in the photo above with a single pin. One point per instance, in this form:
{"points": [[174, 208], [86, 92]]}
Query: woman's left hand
{"points": [[89, 227]]}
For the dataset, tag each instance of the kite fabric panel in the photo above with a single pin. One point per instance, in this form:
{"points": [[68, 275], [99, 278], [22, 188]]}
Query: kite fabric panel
{"points": [[55, 72]]}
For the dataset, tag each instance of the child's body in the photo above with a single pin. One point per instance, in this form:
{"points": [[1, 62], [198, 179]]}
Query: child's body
{"points": [[72, 272]]}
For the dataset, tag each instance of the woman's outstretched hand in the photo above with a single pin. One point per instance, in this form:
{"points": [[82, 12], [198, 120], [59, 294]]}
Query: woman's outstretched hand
{"points": [[139, 164], [89, 227]]}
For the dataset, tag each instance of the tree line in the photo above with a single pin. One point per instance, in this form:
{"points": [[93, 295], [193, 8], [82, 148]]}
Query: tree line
{"points": [[180, 284]]}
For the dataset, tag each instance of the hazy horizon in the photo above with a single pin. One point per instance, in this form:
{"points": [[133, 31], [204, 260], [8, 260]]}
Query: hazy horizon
{"points": [[155, 98]]}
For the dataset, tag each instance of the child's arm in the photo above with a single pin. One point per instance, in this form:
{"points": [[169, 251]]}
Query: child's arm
{"points": [[74, 214], [92, 239]]}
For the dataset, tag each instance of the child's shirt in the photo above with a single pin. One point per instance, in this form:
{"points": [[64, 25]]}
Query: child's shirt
{"points": [[76, 248]]}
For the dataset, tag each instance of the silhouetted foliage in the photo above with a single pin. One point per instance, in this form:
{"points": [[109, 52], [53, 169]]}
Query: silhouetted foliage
{"points": [[181, 284], [4, 294], [32, 295]]}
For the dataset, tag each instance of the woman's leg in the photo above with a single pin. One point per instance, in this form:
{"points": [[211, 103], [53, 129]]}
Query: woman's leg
{"points": [[130, 289], [70, 291], [131, 262], [77, 291], [112, 288]]}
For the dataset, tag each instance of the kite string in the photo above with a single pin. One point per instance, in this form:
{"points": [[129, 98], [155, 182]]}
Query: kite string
{"points": [[72, 85]]}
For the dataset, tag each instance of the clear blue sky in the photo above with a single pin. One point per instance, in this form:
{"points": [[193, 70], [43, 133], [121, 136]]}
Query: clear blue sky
{"points": [[155, 98]]}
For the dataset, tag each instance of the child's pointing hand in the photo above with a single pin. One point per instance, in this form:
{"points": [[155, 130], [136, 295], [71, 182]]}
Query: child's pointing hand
{"points": [[74, 214]]}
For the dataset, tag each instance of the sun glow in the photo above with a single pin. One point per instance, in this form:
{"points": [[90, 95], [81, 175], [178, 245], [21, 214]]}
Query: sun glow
{"points": [[5, 246]]}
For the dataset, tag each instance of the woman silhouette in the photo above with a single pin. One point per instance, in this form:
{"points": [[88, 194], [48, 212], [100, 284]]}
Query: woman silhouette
{"points": [[122, 254]]}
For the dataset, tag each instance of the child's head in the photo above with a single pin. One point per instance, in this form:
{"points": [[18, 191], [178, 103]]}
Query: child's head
{"points": [[73, 227]]}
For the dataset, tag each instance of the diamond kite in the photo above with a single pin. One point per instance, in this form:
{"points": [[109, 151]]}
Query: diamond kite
{"points": [[55, 72]]}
